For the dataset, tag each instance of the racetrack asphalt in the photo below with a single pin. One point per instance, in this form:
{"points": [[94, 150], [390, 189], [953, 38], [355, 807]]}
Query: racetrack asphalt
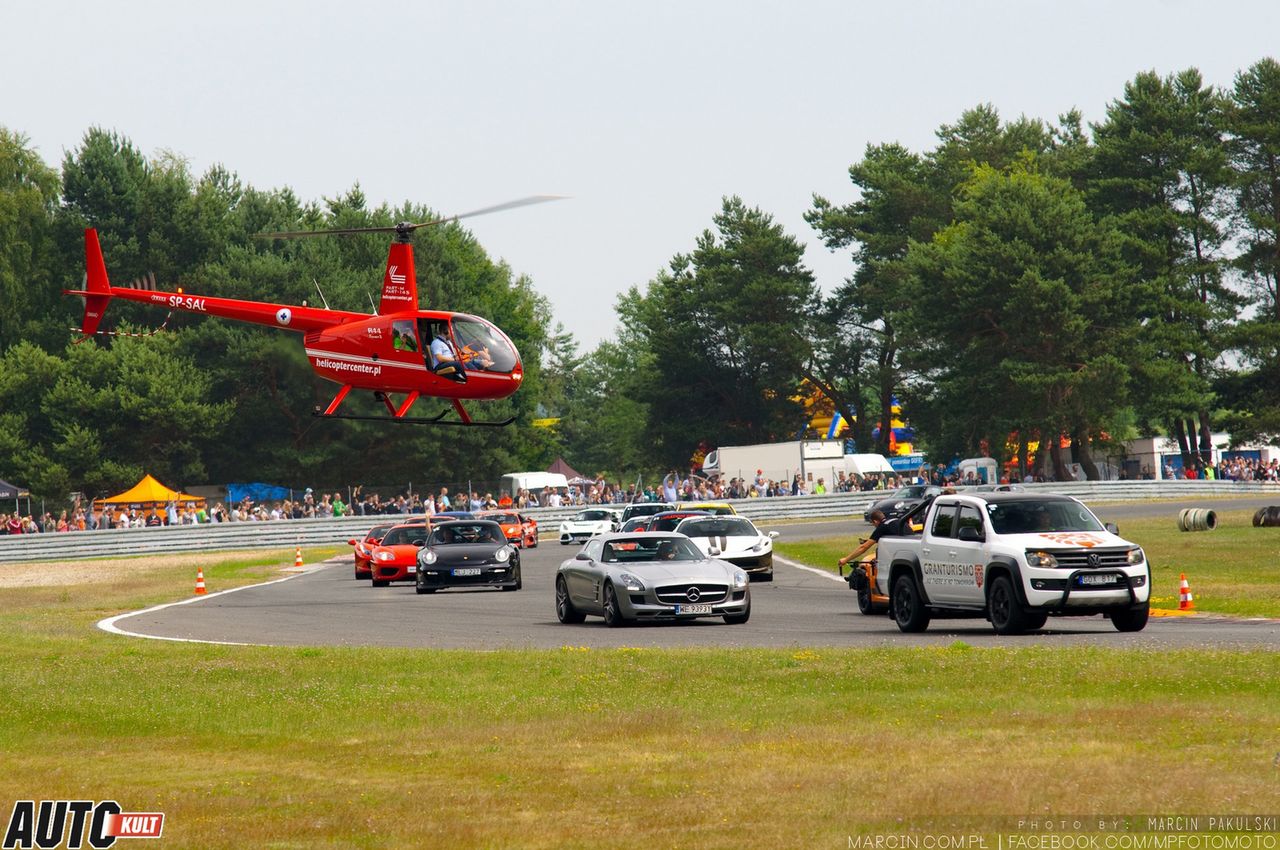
{"points": [[326, 606]]}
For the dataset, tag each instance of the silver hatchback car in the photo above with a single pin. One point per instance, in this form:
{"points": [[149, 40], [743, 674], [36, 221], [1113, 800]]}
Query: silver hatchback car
{"points": [[649, 576]]}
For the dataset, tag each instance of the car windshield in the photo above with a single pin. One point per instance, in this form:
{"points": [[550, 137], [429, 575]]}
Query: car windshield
{"points": [[645, 510], [593, 516], [913, 492], [509, 519], [667, 523], [404, 537], [1034, 516], [634, 549], [718, 527], [467, 532], [635, 524], [377, 532]]}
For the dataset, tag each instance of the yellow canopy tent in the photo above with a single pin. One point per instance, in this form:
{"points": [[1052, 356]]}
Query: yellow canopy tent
{"points": [[148, 494]]}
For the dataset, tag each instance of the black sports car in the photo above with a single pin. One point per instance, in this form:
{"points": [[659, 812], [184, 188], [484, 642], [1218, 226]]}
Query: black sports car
{"points": [[468, 553], [902, 500]]}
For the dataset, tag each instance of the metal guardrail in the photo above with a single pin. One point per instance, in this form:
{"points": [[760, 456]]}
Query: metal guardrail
{"points": [[286, 534]]}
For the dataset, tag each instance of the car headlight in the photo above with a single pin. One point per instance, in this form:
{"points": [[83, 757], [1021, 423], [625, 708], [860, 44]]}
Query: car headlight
{"points": [[897, 506], [761, 545], [740, 578], [630, 582], [427, 556], [502, 554], [1041, 559], [385, 556], [564, 526], [1136, 555]]}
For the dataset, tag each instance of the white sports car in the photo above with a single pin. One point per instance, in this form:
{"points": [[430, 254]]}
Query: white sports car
{"points": [[734, 539], [584, 525]]}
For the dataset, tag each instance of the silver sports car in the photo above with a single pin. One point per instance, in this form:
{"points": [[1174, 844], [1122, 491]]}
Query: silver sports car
{"points": [[650, 576]]}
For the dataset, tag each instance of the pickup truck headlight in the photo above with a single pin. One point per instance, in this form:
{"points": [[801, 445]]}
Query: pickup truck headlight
{"points": [[740, 578], [1041, 559], [1136, 556], [502, 555], [427, 556], [631, 583], [385, 556]]}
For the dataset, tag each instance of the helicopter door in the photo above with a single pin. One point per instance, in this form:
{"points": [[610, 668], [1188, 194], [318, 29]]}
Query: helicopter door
{"points": [[439, 352]]}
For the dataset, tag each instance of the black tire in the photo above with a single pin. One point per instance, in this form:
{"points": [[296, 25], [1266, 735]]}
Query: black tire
{"points": [[1036, 620], [762, 576], [909, 610], [1132, 619], [739, 619], [380, 583], [423, 589], [534, 544], [612, 611], [865, 605], [519, 582], [564, 605], [1008, 617]]}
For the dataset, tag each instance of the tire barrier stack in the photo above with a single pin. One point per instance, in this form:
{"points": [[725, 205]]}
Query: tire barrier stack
{"points": [[1197, 519], [1268, 517]]}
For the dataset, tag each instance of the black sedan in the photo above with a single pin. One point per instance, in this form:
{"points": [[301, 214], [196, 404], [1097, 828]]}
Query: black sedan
{"points": [[901, 500], [468, 553]]}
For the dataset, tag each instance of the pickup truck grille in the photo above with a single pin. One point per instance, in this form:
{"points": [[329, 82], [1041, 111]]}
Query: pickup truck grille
{"points": [[1079, 559]]}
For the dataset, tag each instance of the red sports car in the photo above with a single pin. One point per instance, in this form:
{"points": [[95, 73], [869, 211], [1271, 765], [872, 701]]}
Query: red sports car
{"points": [[364, 548], [396, 557], [520, 530]]}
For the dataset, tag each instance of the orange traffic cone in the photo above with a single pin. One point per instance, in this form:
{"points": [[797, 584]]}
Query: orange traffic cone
{"points": [[1185, 600], [200, 581], [297, 557]]}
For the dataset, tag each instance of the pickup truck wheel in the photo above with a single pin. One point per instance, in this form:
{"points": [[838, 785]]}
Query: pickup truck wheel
{"points": [[1131, 619], [909, 611], [1036, 620], [1007, 614]]}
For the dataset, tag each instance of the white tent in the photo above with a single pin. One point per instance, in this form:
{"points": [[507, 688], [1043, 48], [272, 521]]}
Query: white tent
{"points": [[864, 464]]}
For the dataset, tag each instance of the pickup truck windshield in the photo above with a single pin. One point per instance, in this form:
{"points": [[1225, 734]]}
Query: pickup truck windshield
{"points": [[1032, 516]]}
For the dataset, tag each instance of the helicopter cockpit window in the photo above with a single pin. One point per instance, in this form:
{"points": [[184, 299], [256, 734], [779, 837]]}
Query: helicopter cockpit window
{"points": [[403, 337], [482, 347], [438, 350]]}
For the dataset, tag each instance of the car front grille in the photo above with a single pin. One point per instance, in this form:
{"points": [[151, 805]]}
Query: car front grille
{"points": [[678, 594], [1079, 559]]}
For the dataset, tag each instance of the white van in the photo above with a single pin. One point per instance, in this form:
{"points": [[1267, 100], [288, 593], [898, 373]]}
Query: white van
{"points": [[535, 482]]}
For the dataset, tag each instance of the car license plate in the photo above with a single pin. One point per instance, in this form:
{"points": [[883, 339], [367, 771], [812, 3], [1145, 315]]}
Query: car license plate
{"points": [[412, 570], [693, 609], [1109, 578], [467, 571]]}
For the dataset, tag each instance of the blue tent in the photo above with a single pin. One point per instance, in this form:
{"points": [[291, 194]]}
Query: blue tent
{"points": [[237, 493]]}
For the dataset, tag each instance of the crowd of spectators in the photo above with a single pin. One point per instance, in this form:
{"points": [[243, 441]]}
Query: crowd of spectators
{"points": [[674, 487]]}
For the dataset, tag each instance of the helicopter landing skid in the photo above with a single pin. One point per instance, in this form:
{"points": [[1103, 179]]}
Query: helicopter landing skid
{"points": [[416, 420], [397, 414]]}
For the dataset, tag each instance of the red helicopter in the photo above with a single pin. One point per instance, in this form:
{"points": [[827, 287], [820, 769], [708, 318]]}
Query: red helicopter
{"points": [[398, 349]]}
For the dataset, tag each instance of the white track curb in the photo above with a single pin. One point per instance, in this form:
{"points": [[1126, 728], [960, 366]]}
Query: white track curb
{"points": [[109, 624]]}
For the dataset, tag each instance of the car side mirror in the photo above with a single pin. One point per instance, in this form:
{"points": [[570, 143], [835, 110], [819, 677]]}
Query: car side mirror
{"points": [[1112, 527], [582, 556], [970, 534], [713, 552], [351, 543], [773, 535], [419, 543]]}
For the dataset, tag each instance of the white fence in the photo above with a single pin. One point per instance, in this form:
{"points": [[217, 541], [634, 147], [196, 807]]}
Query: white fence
{"points": [[330, 532]]}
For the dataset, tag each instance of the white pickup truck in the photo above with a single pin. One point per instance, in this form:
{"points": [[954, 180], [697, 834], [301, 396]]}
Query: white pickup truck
{"points": [[1014, 558]]}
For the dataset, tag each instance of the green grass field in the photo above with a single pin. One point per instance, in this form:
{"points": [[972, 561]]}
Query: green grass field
{"points": [[581, 748], [1234, 569]]}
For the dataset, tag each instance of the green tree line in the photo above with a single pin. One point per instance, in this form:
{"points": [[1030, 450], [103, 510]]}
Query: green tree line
{"points": [[1020, 279]]}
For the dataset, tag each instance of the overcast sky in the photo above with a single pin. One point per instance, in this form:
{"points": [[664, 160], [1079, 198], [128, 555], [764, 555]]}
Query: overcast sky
{"points": [[645, 113]]}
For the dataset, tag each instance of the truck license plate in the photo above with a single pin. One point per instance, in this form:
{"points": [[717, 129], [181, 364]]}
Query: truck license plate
{"points": [[1109, 578]]}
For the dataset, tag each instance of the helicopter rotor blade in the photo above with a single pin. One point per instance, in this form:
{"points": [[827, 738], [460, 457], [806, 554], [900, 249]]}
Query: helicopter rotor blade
{"points": [[509, 205], [408, 227]]}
